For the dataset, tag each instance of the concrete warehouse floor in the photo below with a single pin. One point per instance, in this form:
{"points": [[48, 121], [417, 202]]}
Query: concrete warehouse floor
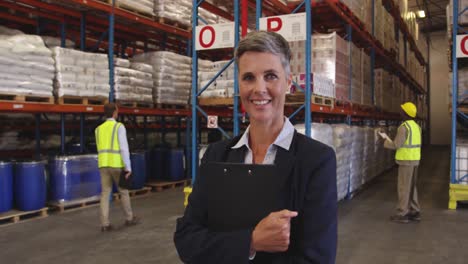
{"points": [[365, 233]]}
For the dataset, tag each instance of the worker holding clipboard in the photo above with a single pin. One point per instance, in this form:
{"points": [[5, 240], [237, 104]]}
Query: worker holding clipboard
{"points": [[268, 195]]}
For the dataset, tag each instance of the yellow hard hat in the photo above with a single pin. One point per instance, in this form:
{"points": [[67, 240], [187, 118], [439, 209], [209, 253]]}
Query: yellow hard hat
{"points": [[409, 108]]}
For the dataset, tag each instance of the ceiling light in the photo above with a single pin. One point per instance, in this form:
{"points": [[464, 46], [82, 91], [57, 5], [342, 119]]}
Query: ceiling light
{"points": [[421, 14]]}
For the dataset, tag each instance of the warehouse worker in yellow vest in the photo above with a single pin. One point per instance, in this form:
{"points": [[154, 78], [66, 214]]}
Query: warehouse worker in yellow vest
{"points": [[407, 144], [113, 157]]}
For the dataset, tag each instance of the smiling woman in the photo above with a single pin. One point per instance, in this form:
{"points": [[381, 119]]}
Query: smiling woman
{"points": [[304, 231]]}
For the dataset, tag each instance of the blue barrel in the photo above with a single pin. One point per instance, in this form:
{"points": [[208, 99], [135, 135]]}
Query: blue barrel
{"points": [[157, 163], [175, 165], [65, 178], [74, 177], [138, 160], [6, 186], [90, 176], [30, 185]]}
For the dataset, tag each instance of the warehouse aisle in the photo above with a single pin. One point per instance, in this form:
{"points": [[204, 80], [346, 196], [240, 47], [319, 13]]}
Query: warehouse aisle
{"points": [[365, 233]]}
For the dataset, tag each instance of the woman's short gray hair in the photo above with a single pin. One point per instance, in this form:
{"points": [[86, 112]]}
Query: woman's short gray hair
{"points": [[263, 41]]}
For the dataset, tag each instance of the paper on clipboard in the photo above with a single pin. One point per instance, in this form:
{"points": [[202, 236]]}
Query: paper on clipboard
{"points": [[384, 136]]}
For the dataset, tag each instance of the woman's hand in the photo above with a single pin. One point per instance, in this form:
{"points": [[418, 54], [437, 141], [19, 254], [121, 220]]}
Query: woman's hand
{"points": [[272, 233]]}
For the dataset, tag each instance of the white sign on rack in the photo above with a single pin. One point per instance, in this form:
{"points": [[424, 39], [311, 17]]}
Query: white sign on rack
{"points": [[212, 121], [291, 27], [462, 46], [216, 36]]}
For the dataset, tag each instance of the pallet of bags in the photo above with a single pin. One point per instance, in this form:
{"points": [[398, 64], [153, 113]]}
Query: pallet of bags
{"points": [[179, 12], [80, 74], [342, 141], [133, 81], [145, 7], [221, 87], [172, 76], [26, 66]]}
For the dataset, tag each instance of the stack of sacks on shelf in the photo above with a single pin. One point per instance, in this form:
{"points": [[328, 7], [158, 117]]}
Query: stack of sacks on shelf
{"points": [[462, 19], [133, 81], [330, 58], [342, 140], [383, 89], [380, 152], [52, 42], [368, 161], [357, 7], [320, 85], [180, 11], [26, 66], [80, 73], [9, 32], [141, 6], [379, 21], [356, 73], [356, 158], [223, 86], [367, 15], [171, 74], [389, 41], [319, 131], [462, 86], [366, 78], [461, 166]]}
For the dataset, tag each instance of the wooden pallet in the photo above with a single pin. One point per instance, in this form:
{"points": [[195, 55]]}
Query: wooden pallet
{"points": [[160, 186], [75, 204], [134, 104], [15, 216], [171, 106], [145, 191], [170, 22], [323, 100], [216, 101], [27, 98], [78, 100], [128, 8]]}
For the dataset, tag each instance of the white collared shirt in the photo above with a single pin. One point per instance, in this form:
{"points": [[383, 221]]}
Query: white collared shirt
{"points": [[283, 140]]}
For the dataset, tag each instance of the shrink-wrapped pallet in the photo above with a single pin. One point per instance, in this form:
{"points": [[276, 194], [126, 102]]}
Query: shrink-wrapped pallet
{"points": [[26, 66], [79, 73]]}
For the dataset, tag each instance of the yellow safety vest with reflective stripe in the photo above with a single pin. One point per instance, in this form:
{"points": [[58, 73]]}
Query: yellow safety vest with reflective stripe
{"points": [[411, 150], [108, 147]]}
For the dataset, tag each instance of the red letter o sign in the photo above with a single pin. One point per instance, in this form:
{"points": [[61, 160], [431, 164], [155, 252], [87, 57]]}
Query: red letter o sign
{"points": [[463, 45], [213, 36]]}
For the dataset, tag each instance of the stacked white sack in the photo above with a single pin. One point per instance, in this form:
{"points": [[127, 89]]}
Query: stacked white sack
{"points": [[342, 140], [223, 86], [180, 11], [26, 66], [133, 81], [357, 147], [80, 73], [52, 42], [171, 74], [369, 161], [140, 6]]}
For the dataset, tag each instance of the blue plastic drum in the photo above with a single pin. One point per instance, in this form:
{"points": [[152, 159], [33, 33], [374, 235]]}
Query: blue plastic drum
{"points": [[30, 185], [138, 160], [6, 186], [175, 165], [90, 177], [157, 163], [65, 178]]}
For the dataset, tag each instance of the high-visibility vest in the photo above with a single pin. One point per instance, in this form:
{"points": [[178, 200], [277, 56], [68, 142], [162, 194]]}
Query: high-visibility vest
{"points": [[108, 147], [411, 150]]}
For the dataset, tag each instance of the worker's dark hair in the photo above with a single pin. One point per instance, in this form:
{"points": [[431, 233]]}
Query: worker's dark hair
{"points": [[109, 109]]}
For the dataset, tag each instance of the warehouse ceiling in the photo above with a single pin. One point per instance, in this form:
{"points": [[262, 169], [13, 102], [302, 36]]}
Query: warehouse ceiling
{"points": [[435, 10]]}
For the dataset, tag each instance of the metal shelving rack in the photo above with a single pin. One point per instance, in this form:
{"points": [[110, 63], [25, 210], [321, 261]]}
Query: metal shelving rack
{"points": [[337, 16], [458, 191], [79, 19]]}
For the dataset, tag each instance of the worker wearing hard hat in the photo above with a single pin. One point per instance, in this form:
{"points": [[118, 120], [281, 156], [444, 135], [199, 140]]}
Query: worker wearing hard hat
{"points": [[407, 144]]}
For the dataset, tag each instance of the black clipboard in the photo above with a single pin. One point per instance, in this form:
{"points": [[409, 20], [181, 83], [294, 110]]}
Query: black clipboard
{"points": [[125, 183], [239, 195]]}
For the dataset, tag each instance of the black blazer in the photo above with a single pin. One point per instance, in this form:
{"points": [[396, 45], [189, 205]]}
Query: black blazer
{"points": [[310, 189]]}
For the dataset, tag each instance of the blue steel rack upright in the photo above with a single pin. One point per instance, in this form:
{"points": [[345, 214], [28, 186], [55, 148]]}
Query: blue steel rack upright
{"points": [[195, 92], [458, 191]]}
